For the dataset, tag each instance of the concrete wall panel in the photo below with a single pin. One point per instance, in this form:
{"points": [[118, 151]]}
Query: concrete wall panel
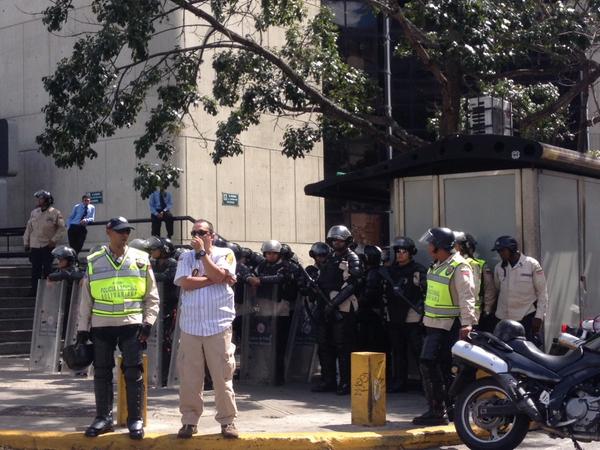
{"points": [[257, 189], [11, 71], [310, 223], [231, 179], [283, 194]]}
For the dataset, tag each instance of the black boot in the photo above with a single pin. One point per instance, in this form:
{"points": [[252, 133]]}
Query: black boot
{"points": [[135, 400], [344, 363], [100, 425], [436, 414], [103, 423]]}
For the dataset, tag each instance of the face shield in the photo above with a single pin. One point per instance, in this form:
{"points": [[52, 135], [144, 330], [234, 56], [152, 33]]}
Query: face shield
{"points": [[427, 237]]}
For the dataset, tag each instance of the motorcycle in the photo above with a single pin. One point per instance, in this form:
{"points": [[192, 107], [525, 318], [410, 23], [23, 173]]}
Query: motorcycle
{"points": [[504, 382]]}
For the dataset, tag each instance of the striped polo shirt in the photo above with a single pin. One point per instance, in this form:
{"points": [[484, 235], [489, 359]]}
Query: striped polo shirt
{"points": [[210, 310]]}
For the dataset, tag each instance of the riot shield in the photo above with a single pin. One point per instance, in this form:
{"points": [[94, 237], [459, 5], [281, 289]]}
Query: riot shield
{"points": [[173, 378], [301, 351], [259, 335], [72, 325], [155, 341], [47, 325]]}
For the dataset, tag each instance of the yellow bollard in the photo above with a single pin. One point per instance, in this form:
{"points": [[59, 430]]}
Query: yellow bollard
{"points": [[368, 388], [122, 396]]}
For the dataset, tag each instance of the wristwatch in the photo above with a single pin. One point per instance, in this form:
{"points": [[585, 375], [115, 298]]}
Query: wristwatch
{"points": [[201, 253]]}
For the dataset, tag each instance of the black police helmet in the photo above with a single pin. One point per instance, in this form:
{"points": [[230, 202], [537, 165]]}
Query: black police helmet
{"points": [[78, 356], [154, 243], [271, 246], [141, 244], [509, 329], [46, 195], [286, 252], [219, 241], [319, 249], [442, 238], [339, 232], [168, 246], [245, 252], [372, 255], [64, 252], [466, 241], [508, 242], [405, 243]]}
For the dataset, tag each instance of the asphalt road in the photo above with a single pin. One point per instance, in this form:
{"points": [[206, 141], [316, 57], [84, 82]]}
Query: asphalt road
{"points": [[536, 440]]}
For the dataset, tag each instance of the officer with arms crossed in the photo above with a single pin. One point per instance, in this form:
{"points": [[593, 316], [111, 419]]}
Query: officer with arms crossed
{"points": [[119, 303], [449, 316], [521, 286], [339, 278]]}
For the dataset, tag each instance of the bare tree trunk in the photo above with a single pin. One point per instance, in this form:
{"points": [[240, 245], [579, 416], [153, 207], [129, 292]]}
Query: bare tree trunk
{"points": [[451, 97]]}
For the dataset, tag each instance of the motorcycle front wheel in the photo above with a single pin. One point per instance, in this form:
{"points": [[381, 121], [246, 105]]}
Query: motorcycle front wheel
{"points": [[480, 432]]}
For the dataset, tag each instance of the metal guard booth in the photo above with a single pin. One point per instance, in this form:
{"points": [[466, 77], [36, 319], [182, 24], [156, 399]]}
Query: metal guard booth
{"points": [[547, 197]]}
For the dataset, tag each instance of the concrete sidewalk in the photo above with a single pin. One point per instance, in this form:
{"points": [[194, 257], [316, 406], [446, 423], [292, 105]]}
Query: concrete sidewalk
{"points": [[51, 411]]}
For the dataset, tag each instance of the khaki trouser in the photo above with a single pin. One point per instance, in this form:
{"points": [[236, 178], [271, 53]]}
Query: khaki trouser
{"points": [[218, 352]]}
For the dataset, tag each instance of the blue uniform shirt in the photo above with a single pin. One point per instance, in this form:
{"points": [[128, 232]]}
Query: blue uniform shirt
{"points": [[155, 202], [77, 215]]}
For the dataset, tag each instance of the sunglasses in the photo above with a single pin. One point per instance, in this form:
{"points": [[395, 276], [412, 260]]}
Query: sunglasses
{"points": [[199, 233]]}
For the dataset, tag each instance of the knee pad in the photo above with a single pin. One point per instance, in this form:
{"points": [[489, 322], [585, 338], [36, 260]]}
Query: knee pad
{"points": [[428, 368], [103, 373], [133, 373]]}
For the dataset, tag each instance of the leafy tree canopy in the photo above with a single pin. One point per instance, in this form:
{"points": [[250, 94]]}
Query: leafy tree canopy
{"points": [[93, 93], [537, 53]]}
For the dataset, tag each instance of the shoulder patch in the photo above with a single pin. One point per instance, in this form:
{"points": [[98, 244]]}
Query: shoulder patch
{"points": [[450, 270], [229, 258]]}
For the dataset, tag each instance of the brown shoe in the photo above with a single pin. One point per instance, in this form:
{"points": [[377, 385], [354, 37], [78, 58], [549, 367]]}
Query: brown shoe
{"points": [[186, 431], [229, 431]]}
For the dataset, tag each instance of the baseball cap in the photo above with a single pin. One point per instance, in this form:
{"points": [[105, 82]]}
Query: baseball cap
{"points": [[119, 223]]}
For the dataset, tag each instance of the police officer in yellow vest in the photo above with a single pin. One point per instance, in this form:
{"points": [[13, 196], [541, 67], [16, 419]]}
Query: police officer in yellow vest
{"points": [[119, 304], [449, 316], [483, 276]]}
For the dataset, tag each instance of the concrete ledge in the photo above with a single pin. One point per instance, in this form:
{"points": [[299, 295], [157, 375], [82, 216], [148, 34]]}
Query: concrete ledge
{"points": [[414, 439]]}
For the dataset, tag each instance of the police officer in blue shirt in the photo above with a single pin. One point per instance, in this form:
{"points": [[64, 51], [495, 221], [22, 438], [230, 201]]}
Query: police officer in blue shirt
{"points": [[161, 204], [82, 215]]}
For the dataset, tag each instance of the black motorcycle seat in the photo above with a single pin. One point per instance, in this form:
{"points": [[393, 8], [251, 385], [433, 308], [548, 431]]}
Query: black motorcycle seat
{"points": [[554, 363]]}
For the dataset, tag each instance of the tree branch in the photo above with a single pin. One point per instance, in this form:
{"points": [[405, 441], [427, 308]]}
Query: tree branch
{"points": [[565, 99], [327, 106], [415, 37]]}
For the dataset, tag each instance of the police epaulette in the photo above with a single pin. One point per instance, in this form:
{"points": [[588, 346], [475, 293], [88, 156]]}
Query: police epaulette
{"points": [[94, 256]]}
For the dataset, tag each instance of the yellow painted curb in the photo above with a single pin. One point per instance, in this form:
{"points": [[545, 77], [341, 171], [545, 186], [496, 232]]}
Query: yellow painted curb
{"points": [[414, 439]]}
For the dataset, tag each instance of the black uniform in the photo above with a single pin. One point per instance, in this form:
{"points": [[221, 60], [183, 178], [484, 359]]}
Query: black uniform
{"points": [[404, 289], [337, 330], [278, 274], [371, 333]]}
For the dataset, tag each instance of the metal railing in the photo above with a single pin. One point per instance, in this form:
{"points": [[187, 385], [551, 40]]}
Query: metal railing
{"points": [[16, 252]]}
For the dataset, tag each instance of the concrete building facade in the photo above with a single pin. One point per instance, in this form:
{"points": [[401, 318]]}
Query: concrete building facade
{"points": [[269, 186]]}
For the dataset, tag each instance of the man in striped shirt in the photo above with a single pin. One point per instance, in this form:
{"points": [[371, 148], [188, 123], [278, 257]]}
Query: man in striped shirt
{"points": [[205, 276]]}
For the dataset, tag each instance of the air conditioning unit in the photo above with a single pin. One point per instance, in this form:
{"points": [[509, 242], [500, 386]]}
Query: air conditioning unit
{"points": [[489, 115]]}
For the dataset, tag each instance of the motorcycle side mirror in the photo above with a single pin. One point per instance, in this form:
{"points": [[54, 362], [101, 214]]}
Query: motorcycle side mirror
{"points": [[596, 325]]}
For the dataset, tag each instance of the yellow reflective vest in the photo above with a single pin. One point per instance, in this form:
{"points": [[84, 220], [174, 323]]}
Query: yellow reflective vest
{"points": [[117, 290], [438, 301], [477, 266]]}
